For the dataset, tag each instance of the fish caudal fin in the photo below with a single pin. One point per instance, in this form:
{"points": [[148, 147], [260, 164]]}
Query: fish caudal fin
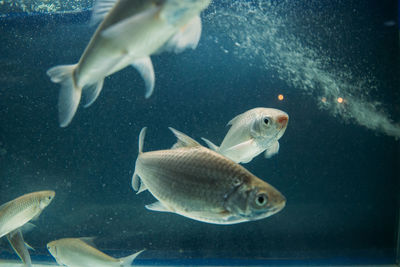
{"points": [[70, 93], [127, 261], [137, 185], [142, 135], [210, 144]]}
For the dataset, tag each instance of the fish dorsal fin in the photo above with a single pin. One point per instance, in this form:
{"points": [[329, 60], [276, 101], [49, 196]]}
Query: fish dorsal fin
{"points": [[183, 140], [210, 144], [88, 240], [100, 10], [234, 120]]}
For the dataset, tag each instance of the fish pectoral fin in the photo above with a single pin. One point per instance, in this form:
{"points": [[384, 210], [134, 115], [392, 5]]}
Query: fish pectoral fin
{"points": [[124, 26], [186, 37], [37, 216], [29, 246], [136, 182], [158, 206], [145, 67], [183, 140], [100, 10], [210, 144], [92, 91], [274, 149], [27, 227]]}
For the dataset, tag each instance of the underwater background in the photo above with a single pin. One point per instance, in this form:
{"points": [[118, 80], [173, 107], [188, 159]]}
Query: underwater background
{"points": [[338, 164]]}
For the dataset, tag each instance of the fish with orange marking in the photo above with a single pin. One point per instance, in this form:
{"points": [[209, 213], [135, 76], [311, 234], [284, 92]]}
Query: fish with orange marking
{"points": [[253, 132]]}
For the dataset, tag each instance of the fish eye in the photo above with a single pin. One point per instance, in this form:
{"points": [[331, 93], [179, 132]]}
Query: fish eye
{"points": [[261, 199], [237, 181], [266, 120]]}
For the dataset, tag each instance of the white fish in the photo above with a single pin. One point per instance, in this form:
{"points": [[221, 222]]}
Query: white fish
{"points": [[21, 210], [76, 252], [17, 242], [251, 133], [198, 183], [132, 31]]}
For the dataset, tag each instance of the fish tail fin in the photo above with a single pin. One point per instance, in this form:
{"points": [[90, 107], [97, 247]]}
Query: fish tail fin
{"points": [[127, 261], [210, 144], [70, 93]]}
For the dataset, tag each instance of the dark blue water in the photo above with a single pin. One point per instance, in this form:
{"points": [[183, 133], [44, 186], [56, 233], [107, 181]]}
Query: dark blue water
{"points": [[341, 180]]}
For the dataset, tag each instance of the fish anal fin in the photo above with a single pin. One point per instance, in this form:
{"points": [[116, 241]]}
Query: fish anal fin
{"points": [[240, 148], [183, 139], [145, 67], [158, 206], [92, 91]]}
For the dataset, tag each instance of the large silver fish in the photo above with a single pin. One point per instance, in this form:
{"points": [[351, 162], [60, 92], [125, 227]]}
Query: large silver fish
{"points": [[251, 133], [17, 242], [200, 184], [21, 210], [131, 31], [76, 252]]}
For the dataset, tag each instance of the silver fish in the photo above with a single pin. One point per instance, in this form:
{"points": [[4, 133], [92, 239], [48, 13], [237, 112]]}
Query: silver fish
{"points": [[20, 247], [21, 210], [131, 31], [76, 252], [251, 133], [200, 184]]}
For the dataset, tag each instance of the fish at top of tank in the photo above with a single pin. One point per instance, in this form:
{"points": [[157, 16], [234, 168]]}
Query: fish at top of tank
{"points": [[130, 32]]}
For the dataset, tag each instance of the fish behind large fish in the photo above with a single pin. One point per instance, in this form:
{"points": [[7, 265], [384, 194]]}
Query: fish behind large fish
{"points": [[21, 210], [130, 32], [77, 252], [200, 184], [251, 133]]}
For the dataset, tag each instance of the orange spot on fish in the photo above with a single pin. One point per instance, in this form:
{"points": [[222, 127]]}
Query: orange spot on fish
{"points": [[280, 97], [340, 100], [283, 120]]}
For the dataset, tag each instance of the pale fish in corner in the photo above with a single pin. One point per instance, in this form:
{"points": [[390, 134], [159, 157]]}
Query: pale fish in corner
{"points": [[21, 210], [78, 252], [130, 32], [198, 183], [251, 133]]}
